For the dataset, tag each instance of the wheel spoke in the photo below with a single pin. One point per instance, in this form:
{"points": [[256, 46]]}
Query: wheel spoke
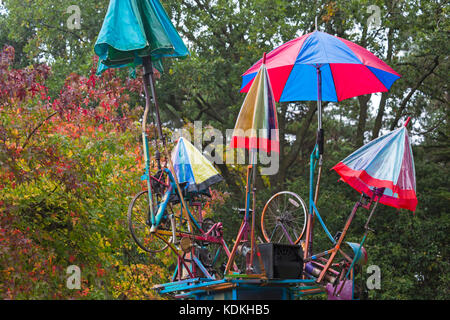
{"points": [[284, 217], [140, 231]]}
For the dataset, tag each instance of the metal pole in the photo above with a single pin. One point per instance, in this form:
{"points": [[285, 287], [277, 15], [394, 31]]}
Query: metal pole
{"points": [[318, 149], [148, 70], [253, 186], [319, 96], [243, 230], [146, 151], [338, 244]]}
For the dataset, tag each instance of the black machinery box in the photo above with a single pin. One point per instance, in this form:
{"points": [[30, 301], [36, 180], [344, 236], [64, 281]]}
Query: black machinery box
{"points": [[281, 261]]}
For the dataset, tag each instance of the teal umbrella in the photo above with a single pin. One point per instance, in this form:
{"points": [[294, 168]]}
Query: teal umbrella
{"points": [[137, 32], [134, 29]]}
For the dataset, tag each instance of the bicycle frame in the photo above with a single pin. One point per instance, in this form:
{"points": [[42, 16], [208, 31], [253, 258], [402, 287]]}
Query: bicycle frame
{"points": [[213, 235], [285, 233], [157, 211], [161, 211], [314, 213], [247, 226]]}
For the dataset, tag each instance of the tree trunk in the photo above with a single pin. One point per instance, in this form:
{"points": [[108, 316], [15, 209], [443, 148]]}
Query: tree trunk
{"points": [[274, 179], [363, 106], [380, 114], [287, 160], [382, 106]]}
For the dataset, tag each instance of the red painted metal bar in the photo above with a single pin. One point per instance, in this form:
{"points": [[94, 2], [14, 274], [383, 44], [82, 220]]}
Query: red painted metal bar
{"points": [[407, 121], [339, 242], [243, 231]]}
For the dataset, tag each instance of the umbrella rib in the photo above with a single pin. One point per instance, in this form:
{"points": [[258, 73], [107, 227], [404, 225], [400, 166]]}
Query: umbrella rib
{"points": [[319, 36]]}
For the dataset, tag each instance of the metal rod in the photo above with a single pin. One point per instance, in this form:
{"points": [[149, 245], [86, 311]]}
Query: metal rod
{"points": [[366, 233], [341, 238], [148, 70], [316, 154], [319, 96], [310, 227], [319, 175], [252, 232], [407, 121], [235, 246], [244, 225], [146, 151]]}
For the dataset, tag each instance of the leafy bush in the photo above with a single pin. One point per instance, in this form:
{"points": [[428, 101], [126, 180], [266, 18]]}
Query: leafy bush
{"points": [[69, 167]]}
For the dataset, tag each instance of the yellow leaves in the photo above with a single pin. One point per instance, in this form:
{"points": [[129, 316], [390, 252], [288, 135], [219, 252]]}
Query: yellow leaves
{"points": [[15, 131], [136, 281]]}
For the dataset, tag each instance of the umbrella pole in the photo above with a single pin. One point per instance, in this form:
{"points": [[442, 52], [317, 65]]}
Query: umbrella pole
{"points": [[146, 151], [243, 230], [319, 98], [253, 186], [148, 73], [316, 154], [320, 133]]}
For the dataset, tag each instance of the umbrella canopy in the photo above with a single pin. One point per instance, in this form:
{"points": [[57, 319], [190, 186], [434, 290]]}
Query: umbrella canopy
{"points": [[192, 166], [258, 117], [347, 70], [386, 162], [133, 29]]}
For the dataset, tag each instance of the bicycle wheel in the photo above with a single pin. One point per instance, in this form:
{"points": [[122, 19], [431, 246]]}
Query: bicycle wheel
{"points": [[283, 219], [139, 225]]}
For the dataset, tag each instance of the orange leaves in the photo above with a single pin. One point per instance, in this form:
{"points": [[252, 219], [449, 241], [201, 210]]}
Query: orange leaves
{"points": [[84, 292], [22, 262], [100, 272]]}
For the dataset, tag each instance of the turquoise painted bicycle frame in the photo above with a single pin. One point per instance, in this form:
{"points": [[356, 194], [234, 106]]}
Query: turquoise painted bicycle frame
{"points": [[312, 206], [165, 201], [146, 176]]}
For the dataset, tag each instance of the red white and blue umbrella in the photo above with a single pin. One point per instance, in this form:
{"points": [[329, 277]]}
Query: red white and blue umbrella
{"points": [[386, 162], [346, 70]]}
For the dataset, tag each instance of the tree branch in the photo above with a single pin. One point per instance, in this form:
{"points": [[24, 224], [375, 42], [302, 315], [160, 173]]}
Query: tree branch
{"points": [[300, 137], [381, 107], [404, 102], [36, 129]]}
